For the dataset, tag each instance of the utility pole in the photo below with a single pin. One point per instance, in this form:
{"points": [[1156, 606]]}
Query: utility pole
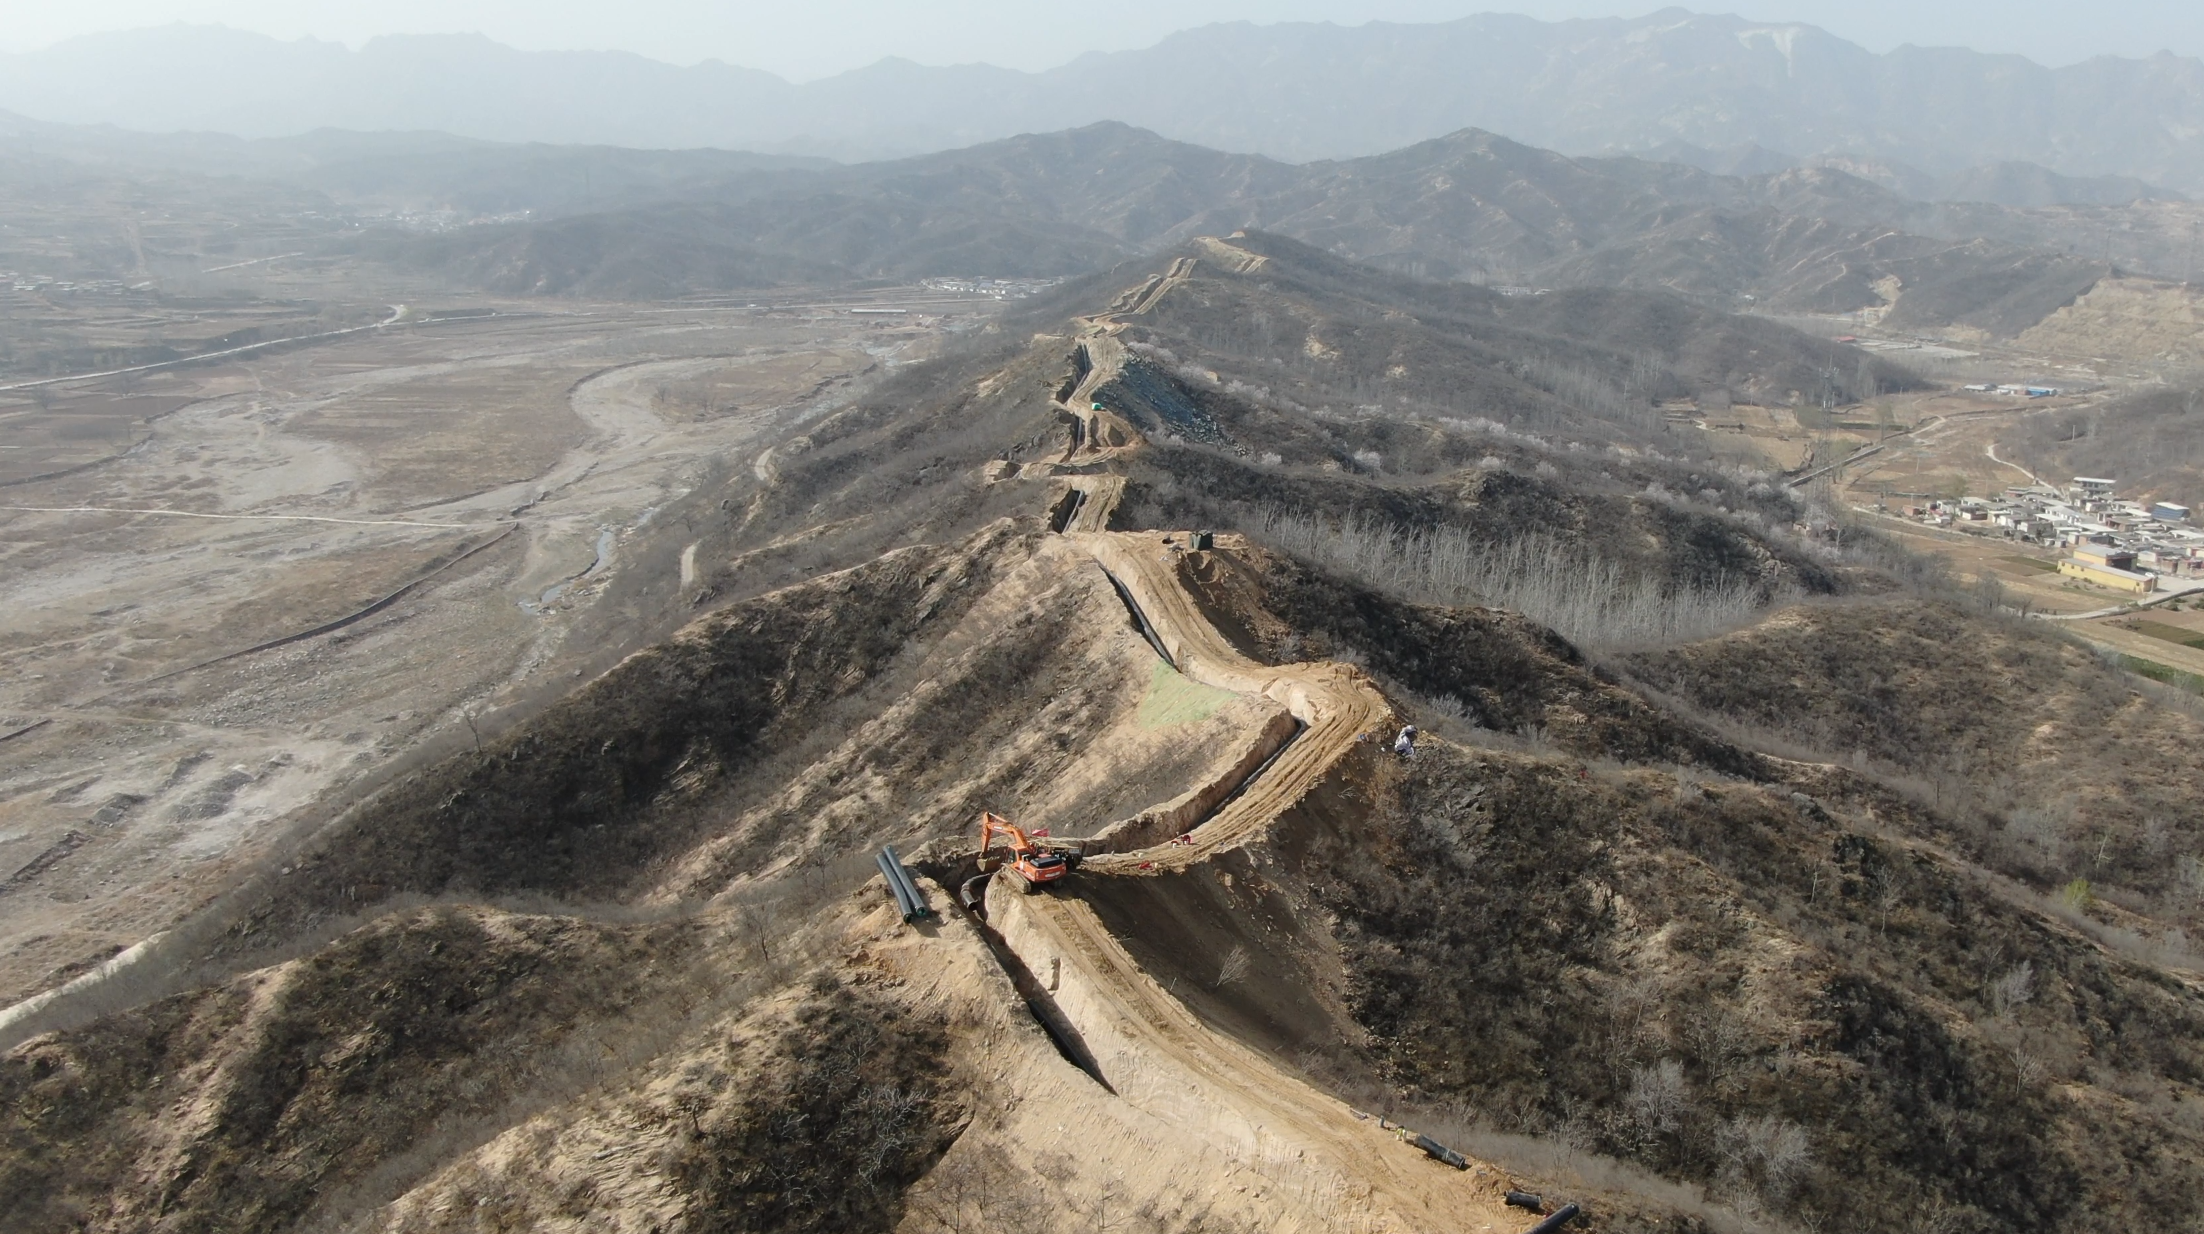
{"points": [[1829, 384]]}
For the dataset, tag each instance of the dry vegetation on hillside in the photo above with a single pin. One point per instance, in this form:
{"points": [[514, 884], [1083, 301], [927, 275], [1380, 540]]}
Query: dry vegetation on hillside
{"points": [[1706, 977], [848, 1109], [2146, 440], [1724, 889], [1591, 920], [2037, 758], [241, 1106]]}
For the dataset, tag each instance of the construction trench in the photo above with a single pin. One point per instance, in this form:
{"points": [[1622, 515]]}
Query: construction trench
{"points": [[1105, 1013]]}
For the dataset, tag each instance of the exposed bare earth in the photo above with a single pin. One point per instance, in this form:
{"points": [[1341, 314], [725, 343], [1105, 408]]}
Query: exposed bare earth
{"points": [[2124, 319]]}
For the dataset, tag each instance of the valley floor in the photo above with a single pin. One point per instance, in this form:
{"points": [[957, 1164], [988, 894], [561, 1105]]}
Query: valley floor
{"points": [[320, 564]]}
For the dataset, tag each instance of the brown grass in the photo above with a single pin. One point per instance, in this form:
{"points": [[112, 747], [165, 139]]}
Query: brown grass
{"points": [[1787, 1000], [851, 1105], [2059, 764], [232, 1108]]}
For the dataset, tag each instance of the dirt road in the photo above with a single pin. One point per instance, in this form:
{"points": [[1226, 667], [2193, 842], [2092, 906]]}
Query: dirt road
{"points": [[1154, 1052], [1337, 704], [1102, 432], [1342, 1169]]}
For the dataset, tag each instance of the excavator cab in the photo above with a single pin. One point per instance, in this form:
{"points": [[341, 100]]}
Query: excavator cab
{"points": [[1029, 865]]}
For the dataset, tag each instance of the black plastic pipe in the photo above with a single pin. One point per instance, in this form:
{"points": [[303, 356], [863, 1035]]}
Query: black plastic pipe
{"points": [[911, 893], [1566, 1215], [895, 885], [974, 895], [1440, 1152], [909, 884], [1140, 619], [896, 869]]}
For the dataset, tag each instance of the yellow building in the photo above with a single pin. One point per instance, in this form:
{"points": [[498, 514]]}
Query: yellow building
{"points": [[2107, 576]]}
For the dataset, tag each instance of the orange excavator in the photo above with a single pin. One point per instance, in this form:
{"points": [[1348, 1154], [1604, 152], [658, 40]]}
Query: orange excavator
{"points": [[1030, 865]]}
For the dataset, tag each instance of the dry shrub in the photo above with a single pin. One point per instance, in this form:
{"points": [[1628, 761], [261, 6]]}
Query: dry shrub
{"points": [[981, 1192], [420, 1031], [852, 1108]]}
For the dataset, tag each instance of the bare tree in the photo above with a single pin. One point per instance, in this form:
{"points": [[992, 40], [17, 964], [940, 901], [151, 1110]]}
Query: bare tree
{"points": [[2014, 989], [1777, 1150], [757, 924], [2189, 878], [980, 1191], [693, 1104], [1106, 1209], [1658, 1096], [953, 1197], [1234, 967], [1588, 599]]}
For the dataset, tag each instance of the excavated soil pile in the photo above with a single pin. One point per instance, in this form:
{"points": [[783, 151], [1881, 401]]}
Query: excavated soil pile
{"points": [[1041, 703]]}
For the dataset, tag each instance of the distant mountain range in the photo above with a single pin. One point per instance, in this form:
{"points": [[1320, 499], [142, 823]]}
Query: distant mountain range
{"points": [[1471, 206], [1935, 123]]}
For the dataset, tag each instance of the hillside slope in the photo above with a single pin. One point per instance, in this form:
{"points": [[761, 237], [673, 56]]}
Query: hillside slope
{"points": [[1628, 929], [1470, 207]]}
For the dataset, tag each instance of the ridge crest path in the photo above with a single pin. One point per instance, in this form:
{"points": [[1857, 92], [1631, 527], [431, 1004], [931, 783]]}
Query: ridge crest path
{"points": [[1148, 1046], [1336, 702]]}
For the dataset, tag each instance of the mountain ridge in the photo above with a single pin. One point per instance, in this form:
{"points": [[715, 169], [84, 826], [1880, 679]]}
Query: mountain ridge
{"points": [[1471, 206], [1294, 91]]}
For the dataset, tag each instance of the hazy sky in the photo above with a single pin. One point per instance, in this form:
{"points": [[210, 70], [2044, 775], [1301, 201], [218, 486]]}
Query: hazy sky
{"points": [[813, 38]]}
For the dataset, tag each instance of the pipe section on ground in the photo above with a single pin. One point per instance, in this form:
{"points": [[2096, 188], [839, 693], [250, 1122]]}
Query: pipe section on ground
{"points": [[973, 895], [907, 895], [1440, 1152], [1140, 619], [1566, 1214], [895, 885], [910, 885]]}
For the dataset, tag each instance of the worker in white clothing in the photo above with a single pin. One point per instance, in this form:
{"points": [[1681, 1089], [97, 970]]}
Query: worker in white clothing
{"points": [[1405, 744]]}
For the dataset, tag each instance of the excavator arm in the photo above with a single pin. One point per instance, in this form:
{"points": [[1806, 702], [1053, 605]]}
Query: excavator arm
{"points": [[993, 825], [1030, 865]]}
